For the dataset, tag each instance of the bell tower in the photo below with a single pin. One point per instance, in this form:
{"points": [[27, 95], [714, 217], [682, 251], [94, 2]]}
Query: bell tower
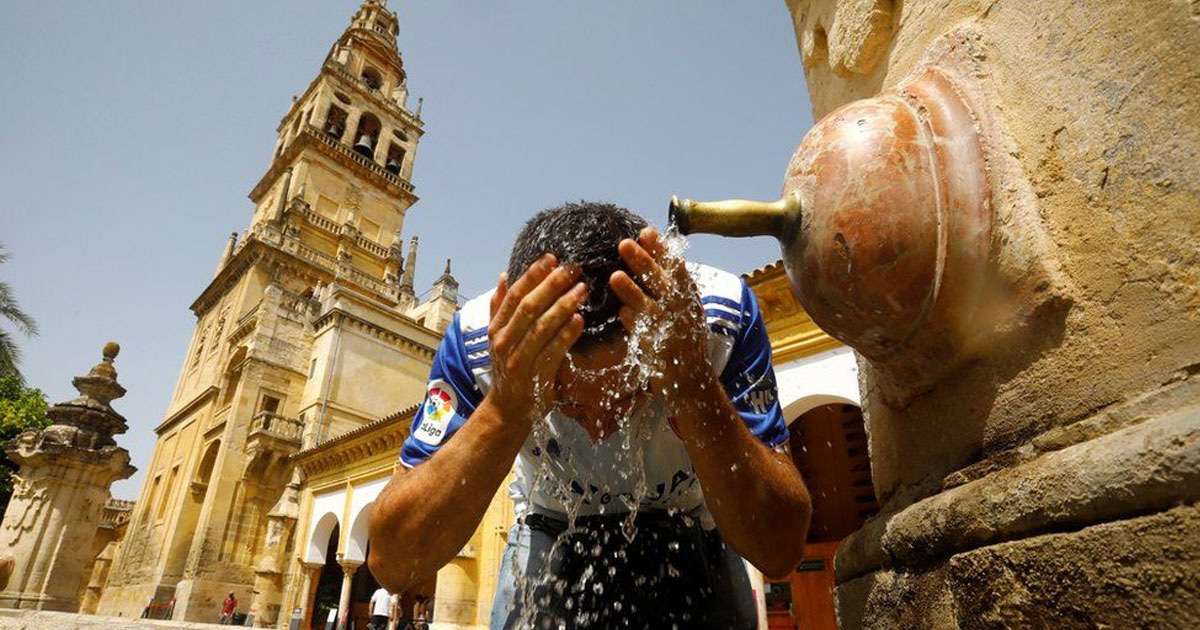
{"points": [[340, 175], [309, 329]]}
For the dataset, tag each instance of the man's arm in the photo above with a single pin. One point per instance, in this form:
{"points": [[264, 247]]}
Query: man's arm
{"points": [[426, 514], [440, 502], [755, 494]]}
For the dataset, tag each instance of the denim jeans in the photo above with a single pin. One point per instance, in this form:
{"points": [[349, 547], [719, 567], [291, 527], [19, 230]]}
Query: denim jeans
{"points": [[669, 576]]}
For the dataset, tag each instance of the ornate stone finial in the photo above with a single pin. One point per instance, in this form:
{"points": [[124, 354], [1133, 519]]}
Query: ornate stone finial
{"points": [[105, 367], [420, 103], [100, 383], [227, 253], [446, 284]]}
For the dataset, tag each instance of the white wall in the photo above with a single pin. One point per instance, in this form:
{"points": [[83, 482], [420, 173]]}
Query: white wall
{"points": [[828, 377], [360, 503]]}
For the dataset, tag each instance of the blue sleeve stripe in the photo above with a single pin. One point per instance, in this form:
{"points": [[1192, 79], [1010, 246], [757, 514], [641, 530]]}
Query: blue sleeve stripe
{"points": [[475, 334], [480, 362], [749, 377], [726, 316], [723, 301]]}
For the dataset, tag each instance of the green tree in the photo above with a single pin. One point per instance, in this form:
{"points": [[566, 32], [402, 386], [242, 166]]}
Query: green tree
{"points": [[21, 409], [10, 354]]}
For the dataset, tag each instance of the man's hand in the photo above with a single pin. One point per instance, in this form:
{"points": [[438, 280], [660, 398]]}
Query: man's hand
{"points": [[669, 310], [534, 323]]}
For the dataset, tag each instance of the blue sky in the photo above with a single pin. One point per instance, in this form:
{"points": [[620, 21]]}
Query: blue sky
{"points": [[133, 131]]}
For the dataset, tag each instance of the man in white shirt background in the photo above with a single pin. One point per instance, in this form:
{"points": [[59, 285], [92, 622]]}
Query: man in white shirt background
{"points": [[381, 608]]}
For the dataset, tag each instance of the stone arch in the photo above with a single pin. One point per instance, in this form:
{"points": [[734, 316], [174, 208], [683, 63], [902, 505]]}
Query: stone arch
{"points": [[208, 461], [803, 405], [356, 541], [335, 120], [318, 541], [372, 77], [233, 375], [367, 134]]}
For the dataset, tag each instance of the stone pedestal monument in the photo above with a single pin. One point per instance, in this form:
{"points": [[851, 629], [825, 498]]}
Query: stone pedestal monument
{"points": [[60, 491]]}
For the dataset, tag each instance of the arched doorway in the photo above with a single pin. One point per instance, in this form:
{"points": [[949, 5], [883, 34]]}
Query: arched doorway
{"points": [[329, 584], [829, 446]]}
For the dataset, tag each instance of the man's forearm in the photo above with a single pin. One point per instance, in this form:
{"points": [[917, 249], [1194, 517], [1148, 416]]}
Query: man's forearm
{"points": [[756, 496], [441, 502]]}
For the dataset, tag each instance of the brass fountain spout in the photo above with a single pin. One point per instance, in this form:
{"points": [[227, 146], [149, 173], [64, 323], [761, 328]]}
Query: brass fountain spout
{"points": [[737, 217], [885, 222]]}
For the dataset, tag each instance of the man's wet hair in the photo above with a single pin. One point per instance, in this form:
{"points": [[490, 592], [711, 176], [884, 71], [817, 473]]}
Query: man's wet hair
{"points": [[583, 233]]}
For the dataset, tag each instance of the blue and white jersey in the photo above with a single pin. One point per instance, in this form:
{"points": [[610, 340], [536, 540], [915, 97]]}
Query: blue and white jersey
{"points": [[560, 469]]}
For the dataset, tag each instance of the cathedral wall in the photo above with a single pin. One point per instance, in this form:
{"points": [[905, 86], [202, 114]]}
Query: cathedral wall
{"points": [[389, 380], [373, 378], [208, 357], [366, 363], [137, 573]]}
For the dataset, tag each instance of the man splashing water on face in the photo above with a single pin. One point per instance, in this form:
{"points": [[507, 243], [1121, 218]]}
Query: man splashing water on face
{"points": [[597, 338]]}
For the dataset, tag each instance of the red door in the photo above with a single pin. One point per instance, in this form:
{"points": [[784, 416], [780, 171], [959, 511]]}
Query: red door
{"points": [[805, 601]]}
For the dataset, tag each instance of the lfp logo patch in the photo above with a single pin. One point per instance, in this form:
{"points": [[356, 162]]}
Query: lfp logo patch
{"points": [[440, 405]]}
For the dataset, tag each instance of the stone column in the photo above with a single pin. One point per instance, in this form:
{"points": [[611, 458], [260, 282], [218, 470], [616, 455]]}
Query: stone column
{"points": [[348, 569], [320, 109], [59, 493], [410, 159], [312, 574], [348, 137], [382, 144]]}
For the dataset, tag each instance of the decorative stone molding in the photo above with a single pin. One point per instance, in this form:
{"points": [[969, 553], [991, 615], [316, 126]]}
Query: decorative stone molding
{"points": [[384, 435]]}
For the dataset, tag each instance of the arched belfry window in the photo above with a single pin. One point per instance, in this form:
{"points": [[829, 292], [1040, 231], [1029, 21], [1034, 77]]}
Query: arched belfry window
{"points": [[335, 122], [372, 78], [367, 134], [395, 159]]}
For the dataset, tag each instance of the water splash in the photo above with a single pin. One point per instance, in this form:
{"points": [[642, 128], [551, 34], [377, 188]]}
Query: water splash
{"points": [[641, 365]]}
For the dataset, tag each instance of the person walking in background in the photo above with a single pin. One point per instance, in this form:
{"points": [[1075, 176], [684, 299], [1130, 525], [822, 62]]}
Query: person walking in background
{"points": [[381, 608], [421, 613], [227, 608]]}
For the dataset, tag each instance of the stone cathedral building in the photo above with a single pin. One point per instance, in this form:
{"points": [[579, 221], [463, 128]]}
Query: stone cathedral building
{"points": [[310, 331]]}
